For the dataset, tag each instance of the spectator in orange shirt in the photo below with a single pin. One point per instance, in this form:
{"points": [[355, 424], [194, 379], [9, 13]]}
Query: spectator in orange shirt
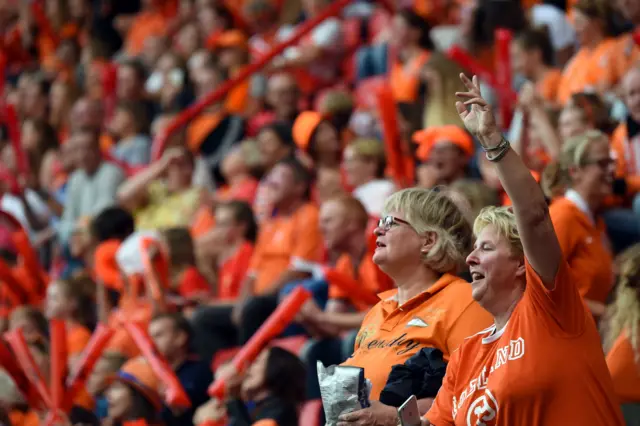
{"points": [[410, 37], [343, 223], [72, 301], [150, 21], [592, 67], [621, 332], [279, 242], [628, 52], [532, 56], [544, 342], [576, 216], [421, 242]]}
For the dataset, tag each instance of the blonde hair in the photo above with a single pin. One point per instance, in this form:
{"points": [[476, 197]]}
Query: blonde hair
{"points": [[429, 210], [555, 177], [624, 313], [440, 107], [371, 150], [504, 221]]}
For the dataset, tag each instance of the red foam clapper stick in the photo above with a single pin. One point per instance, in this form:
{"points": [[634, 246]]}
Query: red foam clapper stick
{"points": [[11, 366], [503, 70], [20, 348], [78, 378], [58, 335], [636, 36], [272, 327], [462, 58], [388, 115], [351, 287], [175, 395]]}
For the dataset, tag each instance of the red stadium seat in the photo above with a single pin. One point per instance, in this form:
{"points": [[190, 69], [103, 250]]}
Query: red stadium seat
{"points": [[310, 413]]}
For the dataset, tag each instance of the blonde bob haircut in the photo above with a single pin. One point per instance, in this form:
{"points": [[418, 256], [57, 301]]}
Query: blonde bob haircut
{"points": [[429, 210], [504, 221]]}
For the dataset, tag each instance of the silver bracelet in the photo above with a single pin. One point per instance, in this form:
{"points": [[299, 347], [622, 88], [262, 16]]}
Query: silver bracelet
{"points": [[500, 155], [501, 145]]}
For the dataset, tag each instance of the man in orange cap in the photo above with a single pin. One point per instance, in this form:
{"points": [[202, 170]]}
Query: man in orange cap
{"points": [[444, 152]]}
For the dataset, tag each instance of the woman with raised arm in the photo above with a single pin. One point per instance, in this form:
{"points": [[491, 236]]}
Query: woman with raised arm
{"points": [[541, 363]]}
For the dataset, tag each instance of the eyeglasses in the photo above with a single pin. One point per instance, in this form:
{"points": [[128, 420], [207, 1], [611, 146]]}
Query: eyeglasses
{"points": [[388, 222]]}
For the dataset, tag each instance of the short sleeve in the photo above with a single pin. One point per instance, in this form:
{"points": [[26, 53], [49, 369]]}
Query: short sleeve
{"points": [[442, 412], [470, 321], [563, 305]]}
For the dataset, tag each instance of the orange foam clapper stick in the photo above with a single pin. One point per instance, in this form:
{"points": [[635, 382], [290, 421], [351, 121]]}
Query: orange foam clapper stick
{"points": [[388, 116], [20, 348], [12, 283], [462, 58], [272, 327], [13, 128], [78, 378], [175, 395], [58, 335], [29, 258], [351, 287], [11, 366]]}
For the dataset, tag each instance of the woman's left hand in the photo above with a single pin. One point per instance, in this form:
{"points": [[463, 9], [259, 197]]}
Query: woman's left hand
{"points": [[478, 119], [376, 415]]}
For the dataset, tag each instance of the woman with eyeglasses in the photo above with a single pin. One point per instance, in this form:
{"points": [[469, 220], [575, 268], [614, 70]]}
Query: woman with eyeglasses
{"points": [[541, 363], [421, 241], [584, 176]]}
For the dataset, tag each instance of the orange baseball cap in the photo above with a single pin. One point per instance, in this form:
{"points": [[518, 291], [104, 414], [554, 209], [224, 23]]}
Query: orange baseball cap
{"points": [[138, 374], [428, 138], [231, 38], [304, 126]]}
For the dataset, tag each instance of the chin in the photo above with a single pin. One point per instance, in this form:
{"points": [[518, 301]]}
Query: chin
{"points": [[479, 289], [378, 258]]}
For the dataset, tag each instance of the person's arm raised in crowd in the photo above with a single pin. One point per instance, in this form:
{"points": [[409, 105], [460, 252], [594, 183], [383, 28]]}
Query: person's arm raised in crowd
{"points": [[133, 191], [541, 247]]}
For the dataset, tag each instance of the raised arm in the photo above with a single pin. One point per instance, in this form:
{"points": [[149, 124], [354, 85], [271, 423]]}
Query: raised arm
{"points": [[538, 237]]}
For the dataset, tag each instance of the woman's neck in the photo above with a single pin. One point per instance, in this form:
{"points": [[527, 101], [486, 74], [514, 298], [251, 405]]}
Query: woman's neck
{"points": [[596, 39], [593, 201], [412, 285], [505, 305], [231, 248], [406, 53]]}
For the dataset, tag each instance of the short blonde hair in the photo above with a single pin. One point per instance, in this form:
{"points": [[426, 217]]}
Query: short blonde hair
{"points": [[504, 220], [429, 210]]}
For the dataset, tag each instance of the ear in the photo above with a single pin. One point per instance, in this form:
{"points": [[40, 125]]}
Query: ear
{"points": [[521, 271], [573, 172], [429, 240]]}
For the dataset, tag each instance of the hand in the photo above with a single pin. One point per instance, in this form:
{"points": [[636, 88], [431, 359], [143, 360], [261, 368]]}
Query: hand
{"points": [[213, 410], [376, 415], [310, 312], [478, 120], [172, 156], [232, 379]]}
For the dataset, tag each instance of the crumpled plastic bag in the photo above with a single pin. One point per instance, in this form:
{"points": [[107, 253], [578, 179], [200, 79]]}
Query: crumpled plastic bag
{"points": [[344, 389]]}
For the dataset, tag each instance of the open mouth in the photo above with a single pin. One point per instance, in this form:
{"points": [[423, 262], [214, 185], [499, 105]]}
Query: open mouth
{"points": [[379, 244], [476, 276]]}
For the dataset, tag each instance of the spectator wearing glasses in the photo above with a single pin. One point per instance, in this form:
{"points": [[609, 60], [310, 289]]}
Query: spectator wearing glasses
{"points": [[586, 169], [422, 240]]}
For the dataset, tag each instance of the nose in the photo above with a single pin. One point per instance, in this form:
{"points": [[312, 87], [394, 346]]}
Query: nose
{"points": [[378, 231], [472, 259]]}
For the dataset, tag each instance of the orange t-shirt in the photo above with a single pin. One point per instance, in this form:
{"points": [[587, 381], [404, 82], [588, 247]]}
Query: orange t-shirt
{"points": [[193, 283], [439, 317], [105, 264], [144, 25], [200, 127], [583, 244], [280, 239], [237, 98], [20, 418], [368, 275], [233, 271], [627, 153], [545, 367], [589, 69], [548, 86], [77, 338], [625, 371], [405, 78]]}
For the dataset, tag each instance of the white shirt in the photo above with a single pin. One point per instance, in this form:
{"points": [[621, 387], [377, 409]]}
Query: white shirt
{"points": [[13, 205], [373, 194], [561, 32]]}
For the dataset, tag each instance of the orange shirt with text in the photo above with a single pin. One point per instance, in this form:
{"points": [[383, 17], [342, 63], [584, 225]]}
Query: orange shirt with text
{"points": [[439, 317], [583, 244], [545, 367], [625, 370], [282, 238]]}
